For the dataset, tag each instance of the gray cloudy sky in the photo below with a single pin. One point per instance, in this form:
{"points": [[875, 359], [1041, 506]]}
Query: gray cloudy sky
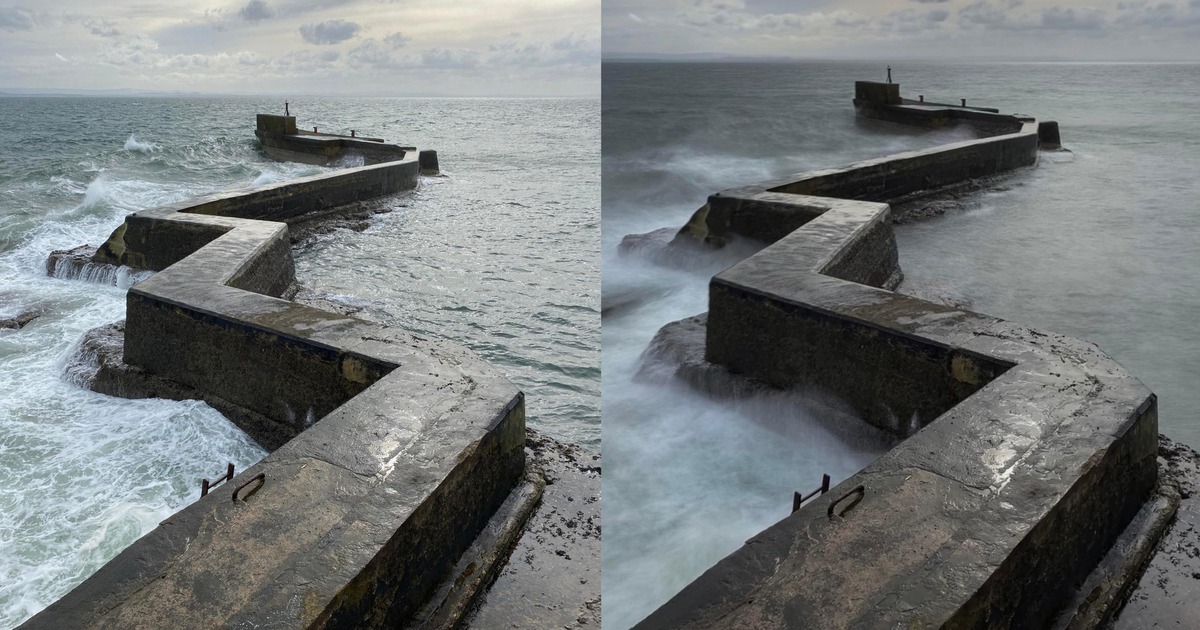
{"points": [[446, 47], [1088, 30]]}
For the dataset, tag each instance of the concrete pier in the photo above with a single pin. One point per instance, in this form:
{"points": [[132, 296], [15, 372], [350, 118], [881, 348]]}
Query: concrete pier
{"points": [[1027, 453], [282, 140], [391, 452]]}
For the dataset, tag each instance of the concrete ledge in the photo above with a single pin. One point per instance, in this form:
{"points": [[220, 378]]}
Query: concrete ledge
{"points": [[1030, 452], [1109, 584], [1164, 596]]}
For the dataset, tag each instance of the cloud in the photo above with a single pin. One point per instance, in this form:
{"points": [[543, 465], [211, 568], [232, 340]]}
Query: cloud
{"points": [[570, 49], [256, 11], [396, 40], [331, 32], [725, 13], [1070, 19], [381, 54], [450, 58], [101, 28], [911, 22], [135, 50], [1158, 15], [984, 15], [15, 19], [930, 1]]}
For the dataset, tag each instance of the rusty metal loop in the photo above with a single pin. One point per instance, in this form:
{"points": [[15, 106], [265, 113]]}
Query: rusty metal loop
{"points": [[260, 477], [860, 491], [206, 485]]}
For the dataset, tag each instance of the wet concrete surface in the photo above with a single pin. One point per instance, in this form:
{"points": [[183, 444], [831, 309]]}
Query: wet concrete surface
{"points": [[552, 579], [1168, 594]]}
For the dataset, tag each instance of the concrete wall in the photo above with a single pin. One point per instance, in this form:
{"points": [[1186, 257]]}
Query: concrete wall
{"points": [[281, 140], [877, 93], [746, 211], [882, 101], [892, 380], [393, 450], [272, 123], [1031, 451], [154, 240]]}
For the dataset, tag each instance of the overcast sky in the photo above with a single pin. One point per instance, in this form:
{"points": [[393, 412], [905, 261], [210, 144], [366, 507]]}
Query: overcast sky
{"points": [[1087, 30], [397, 47]]}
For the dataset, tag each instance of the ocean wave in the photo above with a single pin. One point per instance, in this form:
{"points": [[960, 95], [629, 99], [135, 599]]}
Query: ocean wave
{"points": [[265, 178], [133, 144]]}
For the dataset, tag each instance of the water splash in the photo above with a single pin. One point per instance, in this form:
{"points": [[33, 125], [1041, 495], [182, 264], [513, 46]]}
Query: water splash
{"points": [[120, 276], [138, 146]]}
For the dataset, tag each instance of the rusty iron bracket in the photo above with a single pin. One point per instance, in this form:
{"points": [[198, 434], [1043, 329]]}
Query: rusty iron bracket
{"points": [[858, 493], [798, 499], [261, 478], [206, 485]]}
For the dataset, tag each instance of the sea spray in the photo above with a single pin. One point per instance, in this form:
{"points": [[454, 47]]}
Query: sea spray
{"points": [[133, 144], [69, 267]]}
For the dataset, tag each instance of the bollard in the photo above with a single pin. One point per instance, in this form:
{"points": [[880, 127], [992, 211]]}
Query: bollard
{"points": [[351, 133], [964, 102], [314, 129], [921, 97], [1048, 137], [428, 161]]}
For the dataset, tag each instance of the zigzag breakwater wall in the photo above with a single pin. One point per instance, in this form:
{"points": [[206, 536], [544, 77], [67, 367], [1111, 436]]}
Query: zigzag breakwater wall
{"points": [[1027, 452], [391, 452]]}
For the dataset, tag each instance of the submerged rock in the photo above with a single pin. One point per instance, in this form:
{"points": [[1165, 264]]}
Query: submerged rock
{"points": [[19, 320]]}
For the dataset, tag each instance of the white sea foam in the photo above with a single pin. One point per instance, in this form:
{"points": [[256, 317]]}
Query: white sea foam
{"points": [[97, 191], [266, 177], [133, 144], [85, 474]]}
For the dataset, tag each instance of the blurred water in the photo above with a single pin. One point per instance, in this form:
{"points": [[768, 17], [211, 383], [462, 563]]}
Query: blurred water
{"points": [[501, 256], [1098, 244]]}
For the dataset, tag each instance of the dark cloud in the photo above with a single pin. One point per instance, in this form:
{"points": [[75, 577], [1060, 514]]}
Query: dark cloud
{"points": [[15, 19], [256, 11], [298, 7], [331, 32]]}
